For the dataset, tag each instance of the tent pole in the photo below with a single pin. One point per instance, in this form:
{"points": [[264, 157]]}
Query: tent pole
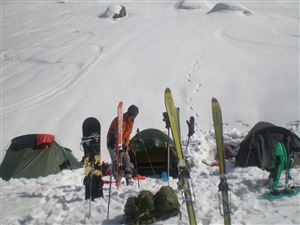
{"points": [[146, 151], [250, 150]]}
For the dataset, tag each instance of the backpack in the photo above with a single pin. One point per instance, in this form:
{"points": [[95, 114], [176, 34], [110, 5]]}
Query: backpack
{"points": [[141, 209], [166, 203], [131, 210]]}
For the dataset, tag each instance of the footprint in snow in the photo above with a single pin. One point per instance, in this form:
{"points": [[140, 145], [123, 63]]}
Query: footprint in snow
{"points": [[189, 78], [197, 88]]}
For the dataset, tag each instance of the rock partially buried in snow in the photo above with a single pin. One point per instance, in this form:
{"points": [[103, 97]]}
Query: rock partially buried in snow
{"points": [[191, 4], [114, 12], [221, 7]]}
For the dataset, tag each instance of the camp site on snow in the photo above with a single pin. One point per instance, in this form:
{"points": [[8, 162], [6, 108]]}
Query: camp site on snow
{"points": [[149, 112], [159, 155]]}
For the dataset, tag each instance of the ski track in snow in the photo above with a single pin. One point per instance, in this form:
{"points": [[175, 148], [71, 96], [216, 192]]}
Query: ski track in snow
{"points": [[226, 35], [79, 69], [278, 32]]}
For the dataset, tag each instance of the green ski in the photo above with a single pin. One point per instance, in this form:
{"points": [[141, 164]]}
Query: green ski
{"points": [[223, 186], [183, 172]]}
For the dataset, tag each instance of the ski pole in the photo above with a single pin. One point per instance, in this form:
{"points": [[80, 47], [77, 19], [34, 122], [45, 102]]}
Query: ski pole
{"points": [[191, 127], [168, 125], [136, 164], [91, 188], [187, 144], [109, 194], [168, 148]]}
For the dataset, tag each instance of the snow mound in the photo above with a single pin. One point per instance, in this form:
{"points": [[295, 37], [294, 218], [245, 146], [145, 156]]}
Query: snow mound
{"points": [[114, 12], [190, 4], [294, 126], [222, 7]]}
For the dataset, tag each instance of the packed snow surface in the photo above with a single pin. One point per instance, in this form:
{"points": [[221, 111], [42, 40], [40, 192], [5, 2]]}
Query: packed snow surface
{"points": [[61, 62], [59, 199]]}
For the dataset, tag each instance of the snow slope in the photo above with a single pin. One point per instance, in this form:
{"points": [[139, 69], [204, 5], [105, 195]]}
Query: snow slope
{"points": [[61, 62]]}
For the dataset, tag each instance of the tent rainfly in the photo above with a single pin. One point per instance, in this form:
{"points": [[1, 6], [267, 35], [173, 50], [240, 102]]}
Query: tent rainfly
{"points": [[34, 155], [258, 147], [151, 152]]}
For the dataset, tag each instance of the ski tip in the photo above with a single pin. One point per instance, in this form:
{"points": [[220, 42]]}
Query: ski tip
{"points": [[118, 184], [167, 90], [214, 100]]}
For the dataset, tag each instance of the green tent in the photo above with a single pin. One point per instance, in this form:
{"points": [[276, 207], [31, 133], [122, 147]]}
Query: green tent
{"points": [[151, 148], [34, 155]]}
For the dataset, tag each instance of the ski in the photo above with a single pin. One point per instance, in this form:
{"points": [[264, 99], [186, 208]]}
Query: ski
{"points": [[116, 164], [183, 172], [91, 131], [119, 144], [223, 186]]}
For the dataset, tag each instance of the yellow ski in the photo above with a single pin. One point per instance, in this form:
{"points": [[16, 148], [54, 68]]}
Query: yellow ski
{"points": [[183, 173]]}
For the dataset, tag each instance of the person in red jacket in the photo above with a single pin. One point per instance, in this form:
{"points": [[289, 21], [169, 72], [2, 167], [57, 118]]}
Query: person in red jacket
{"points": [[128, 122]]}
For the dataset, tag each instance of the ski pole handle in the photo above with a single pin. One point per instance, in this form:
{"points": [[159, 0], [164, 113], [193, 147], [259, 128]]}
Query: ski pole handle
{"points": [[191, 126]]}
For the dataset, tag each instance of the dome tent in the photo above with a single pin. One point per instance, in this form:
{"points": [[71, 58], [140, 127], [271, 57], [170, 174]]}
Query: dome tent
{"points": [[34, 155], [151, 149], [258, 147]]}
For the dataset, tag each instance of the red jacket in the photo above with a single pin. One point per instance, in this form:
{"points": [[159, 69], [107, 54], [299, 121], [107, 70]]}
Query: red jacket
{"points": [[113, 131]]}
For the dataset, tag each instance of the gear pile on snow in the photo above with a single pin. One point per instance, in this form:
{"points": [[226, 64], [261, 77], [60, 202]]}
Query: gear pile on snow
{"points": [[147, 208]]}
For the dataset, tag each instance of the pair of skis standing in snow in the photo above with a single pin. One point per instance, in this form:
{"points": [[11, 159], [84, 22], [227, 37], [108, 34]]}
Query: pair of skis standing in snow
{"points": [[185, 181]]}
